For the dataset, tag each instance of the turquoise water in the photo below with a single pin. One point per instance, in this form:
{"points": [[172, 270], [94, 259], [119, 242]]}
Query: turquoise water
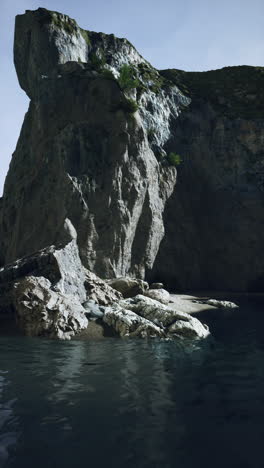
{"points": [[135, 403]]}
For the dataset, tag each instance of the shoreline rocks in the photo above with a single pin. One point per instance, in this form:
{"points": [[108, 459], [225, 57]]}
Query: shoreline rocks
{"points": [[46, 293], [51, 294]]}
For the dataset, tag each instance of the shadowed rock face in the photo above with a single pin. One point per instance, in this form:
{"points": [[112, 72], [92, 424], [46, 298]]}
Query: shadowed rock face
{"points": [[83, 154], [214, 220]]}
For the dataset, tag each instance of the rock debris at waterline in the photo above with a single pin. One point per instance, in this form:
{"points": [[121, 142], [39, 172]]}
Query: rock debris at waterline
{"points": [[51, 294]]}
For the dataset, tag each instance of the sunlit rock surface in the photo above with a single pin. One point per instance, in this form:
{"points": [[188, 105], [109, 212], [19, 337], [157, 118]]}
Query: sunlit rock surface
{"points": [[50, 293], [83, 152], [146, 317]]}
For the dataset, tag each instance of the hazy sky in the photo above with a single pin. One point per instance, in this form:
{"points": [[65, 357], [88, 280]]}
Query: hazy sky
{"points": [[185, 34]]}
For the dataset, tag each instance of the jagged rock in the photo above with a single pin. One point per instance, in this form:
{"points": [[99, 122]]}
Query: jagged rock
{"points": [[127, 323], [217, 303], [129, 287], [84, 153], [172, 323], [160, 295], [99, 291], [156, 286], [61, 265], [47, 289], [40, 311], [191, 329]]}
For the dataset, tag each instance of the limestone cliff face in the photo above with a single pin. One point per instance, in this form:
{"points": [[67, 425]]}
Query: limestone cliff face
{"points": [[214, 220], [95, 148], [84, 151]]}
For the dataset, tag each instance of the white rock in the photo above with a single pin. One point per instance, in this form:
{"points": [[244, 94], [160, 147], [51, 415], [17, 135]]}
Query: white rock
{"points": [[191, 329], [160, 295], [222, 304], [128, 287], [171, 322], [127, 323], [217, 303], [43, 312]]}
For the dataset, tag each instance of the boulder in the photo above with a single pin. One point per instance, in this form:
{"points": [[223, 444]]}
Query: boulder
{"points": [[61, 265], [99, 290], [129, 287], [156, 286], [153, 310], [51, 293], [128, 323], [40, 311], [160, 295], [217, 303], [168, 322], [191, 329], [222, 304]]}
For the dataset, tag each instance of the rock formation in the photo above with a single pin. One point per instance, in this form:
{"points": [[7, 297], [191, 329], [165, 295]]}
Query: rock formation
{"points": [[84, 151], [51, 294], [46, 292], [145, 317], [214, 219], [91, 187]]}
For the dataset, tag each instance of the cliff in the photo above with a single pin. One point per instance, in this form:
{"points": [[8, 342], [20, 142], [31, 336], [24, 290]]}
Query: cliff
{"points": [[84, 152], [98, 147], [214, 220]]}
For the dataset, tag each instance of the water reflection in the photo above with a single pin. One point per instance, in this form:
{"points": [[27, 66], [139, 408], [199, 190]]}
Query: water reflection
{"points": [[133, 403], [8, 422]]}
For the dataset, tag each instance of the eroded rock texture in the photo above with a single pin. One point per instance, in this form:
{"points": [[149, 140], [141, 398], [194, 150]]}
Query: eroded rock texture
{"points": [[214, 220], [50, 293], [84, 152], [145, 317], [101, 151]]}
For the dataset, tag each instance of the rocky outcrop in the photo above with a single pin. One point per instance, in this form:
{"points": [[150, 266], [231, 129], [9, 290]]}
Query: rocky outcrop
{"points": [[214, 219], [40, 311], [129, 287], [50, 293], [217, 303], [84, 152], [127, 323], [160, 295], [145, 317]]}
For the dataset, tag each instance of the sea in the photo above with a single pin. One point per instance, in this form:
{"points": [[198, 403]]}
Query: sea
{"points": [[135, 403]]}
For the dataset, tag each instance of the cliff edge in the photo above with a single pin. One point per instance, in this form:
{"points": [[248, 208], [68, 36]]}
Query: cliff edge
{"points": [[84, 151]]}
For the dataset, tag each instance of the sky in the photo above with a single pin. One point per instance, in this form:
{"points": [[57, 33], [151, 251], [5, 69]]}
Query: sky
{"points": [[192, 35]]}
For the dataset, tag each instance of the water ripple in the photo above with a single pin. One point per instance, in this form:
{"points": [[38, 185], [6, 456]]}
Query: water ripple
{"points": [[134, 403]]}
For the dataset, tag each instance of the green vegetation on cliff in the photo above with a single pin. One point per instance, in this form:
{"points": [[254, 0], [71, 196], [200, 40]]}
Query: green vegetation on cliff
{"points": [[126, 78], [174, 159], [237, 92], [64, 22]]}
